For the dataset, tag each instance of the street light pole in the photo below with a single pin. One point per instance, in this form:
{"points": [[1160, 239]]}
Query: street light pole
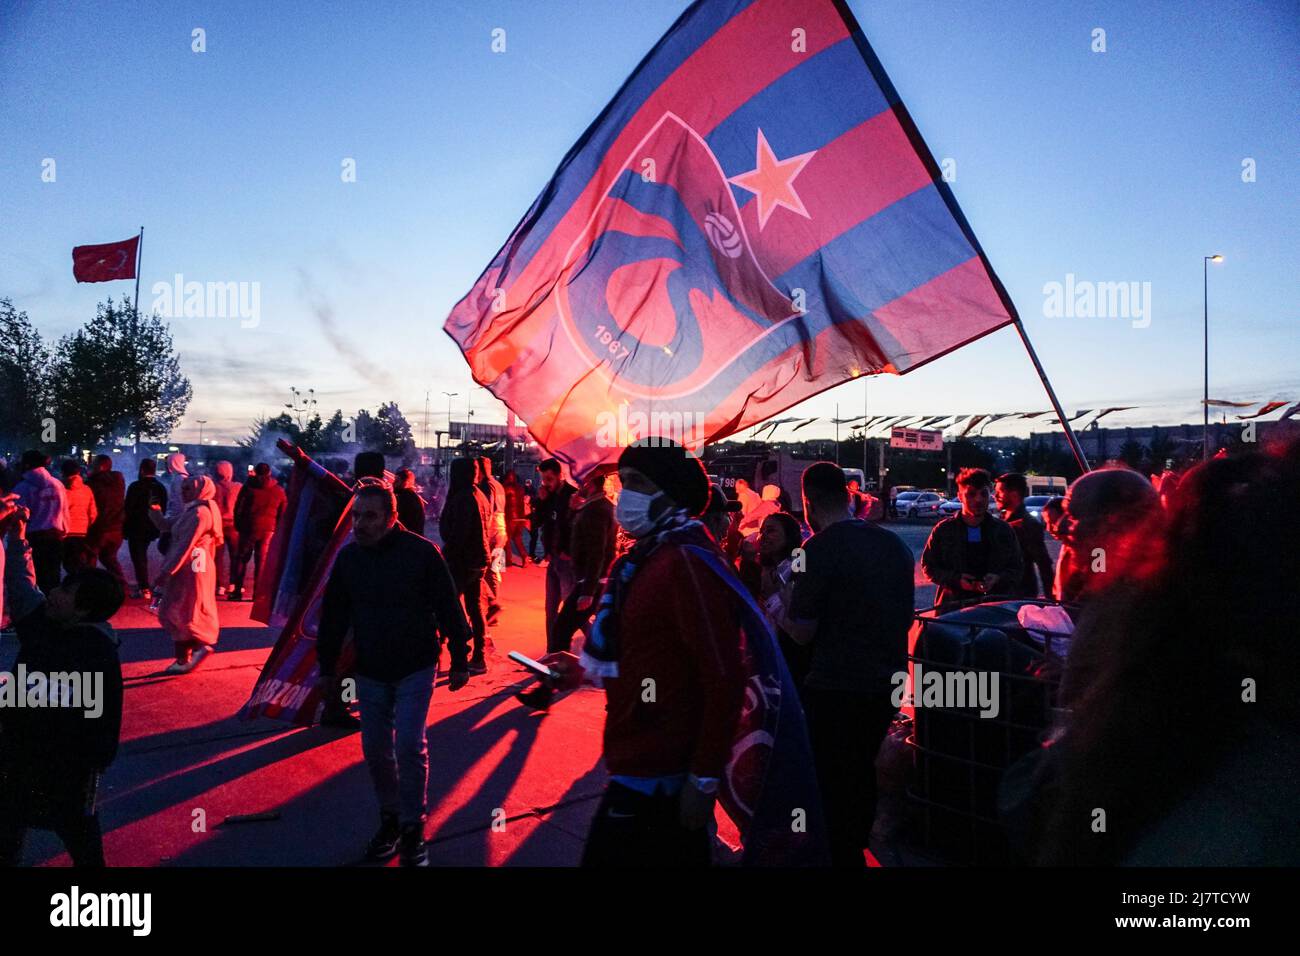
{"points": [[202, 422], [450, 396], [1205, 397]]}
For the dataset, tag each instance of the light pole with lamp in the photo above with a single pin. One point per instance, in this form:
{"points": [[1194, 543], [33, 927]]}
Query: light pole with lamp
{"points": [[1205, 398]]}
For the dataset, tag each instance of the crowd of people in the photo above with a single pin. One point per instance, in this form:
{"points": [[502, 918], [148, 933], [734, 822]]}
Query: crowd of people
{"points": [[656, 568], [206, 530]]}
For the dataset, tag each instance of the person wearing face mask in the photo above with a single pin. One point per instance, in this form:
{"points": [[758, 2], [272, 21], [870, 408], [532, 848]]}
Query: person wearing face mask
{"points": [[666, 618], [852, 604], [972, 554], [51, 758]]}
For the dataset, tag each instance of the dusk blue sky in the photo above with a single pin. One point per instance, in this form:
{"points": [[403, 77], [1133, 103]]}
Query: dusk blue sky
{"points": [[1116, 166]]}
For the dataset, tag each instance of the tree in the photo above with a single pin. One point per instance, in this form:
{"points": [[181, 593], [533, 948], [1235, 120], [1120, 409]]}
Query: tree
{"points": [[24, 392], [1132, 453], [1161, 450], [267, 430], [117, 376], [333, 436], [387, 430]]}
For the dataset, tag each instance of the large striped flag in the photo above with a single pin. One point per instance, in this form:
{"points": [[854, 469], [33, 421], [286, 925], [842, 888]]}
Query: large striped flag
{"points": [[753, 219], [315, 525]]}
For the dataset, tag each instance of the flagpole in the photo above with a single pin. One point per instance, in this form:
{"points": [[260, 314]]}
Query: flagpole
{"points": [[135, 324], [1051, 395], [139, 258]]}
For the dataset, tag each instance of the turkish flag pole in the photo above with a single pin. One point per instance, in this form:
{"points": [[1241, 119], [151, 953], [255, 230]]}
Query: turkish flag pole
{"points": [[139, 257]]}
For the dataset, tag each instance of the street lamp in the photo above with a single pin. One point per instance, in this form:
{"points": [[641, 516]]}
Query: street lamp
{"points": [[450, 396], [1205, 403], [202, 422]]}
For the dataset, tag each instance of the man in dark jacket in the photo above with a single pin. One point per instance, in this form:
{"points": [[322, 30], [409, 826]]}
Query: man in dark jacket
{"points": [[145, 496], [257, 512], [1012, 490], [972, 554], [463, 526], [393, 591], [105, 537], [52, 754], [592, 541], [556, 522]]}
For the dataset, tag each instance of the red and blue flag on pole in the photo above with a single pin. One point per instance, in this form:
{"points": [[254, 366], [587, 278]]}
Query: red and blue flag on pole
{"points": [[317, 522], [753, 219]]}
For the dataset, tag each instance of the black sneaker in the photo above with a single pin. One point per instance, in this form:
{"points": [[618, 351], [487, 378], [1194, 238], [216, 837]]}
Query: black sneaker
{"points": [[340, 719], [477, 665], [414, 851], [383, 846]]}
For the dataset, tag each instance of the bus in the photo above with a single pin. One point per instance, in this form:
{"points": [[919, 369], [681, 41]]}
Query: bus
{"points": [[1046, 485]]}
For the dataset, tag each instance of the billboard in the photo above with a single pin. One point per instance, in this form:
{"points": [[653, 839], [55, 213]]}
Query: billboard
{"points": [[915, 439]]}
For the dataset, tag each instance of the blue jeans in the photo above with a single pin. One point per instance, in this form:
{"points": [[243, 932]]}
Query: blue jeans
{"points": [[560, 579], [394, 717]]}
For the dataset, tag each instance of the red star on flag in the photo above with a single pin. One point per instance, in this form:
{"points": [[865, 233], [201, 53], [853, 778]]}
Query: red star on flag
{"points": [[772, 181]]}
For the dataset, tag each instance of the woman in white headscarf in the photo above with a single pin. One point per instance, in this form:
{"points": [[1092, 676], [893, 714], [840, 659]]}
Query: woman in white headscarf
{"points": [[188, 579]]}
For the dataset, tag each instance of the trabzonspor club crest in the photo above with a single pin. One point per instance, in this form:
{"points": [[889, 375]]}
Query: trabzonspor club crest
{"points": [[664, 275]]}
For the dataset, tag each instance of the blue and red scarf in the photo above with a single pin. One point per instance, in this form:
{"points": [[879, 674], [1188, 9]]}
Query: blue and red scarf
{"points": [[769, 788]]}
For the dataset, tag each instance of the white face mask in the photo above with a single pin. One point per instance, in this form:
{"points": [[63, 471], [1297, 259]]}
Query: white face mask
{"points": [[633, 512]]}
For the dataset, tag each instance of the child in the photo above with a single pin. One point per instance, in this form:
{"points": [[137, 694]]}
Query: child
{"points": [[51, 757]]}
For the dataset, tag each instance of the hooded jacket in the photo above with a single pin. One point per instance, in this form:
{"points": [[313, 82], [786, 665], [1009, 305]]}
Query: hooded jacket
{"points": [[109, 489], [188, 609], [143, 493], [45, 497], [258, 507], [466, 520], [81, 506], [227, 491], [172, 480]]}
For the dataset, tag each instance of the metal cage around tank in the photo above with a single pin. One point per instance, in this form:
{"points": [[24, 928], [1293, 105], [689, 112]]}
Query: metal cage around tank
{"points": [[959, 756]]}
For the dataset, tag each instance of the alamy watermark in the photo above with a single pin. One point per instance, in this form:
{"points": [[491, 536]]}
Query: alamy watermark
{"points": [[947, 689], [1083, 299], [622, 428], [73, 690], [209, 300]]}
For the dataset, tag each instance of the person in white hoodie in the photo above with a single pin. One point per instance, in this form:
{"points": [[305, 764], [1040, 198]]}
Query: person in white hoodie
{"points": [[172, 480], [46, 499]]}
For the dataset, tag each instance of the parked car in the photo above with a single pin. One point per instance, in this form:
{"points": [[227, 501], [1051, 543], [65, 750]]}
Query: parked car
{"points": [[950, 507], [1034, 505], [918, 504]]}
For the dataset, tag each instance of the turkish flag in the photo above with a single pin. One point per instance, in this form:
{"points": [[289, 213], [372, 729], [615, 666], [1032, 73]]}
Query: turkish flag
{"points": [[105, 262]]}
